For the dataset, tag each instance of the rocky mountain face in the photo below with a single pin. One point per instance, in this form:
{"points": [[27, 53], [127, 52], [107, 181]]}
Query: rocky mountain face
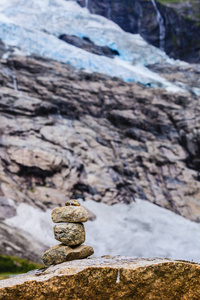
{"points": [[69, 133], [188, 9], [89, 112], [108, 278], [72, 134], [180, 19]]}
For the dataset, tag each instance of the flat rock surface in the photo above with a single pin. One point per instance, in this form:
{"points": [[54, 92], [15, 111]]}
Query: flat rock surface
{"points": [[108, 278], [70, 234], [61, 253], [70, 214]]}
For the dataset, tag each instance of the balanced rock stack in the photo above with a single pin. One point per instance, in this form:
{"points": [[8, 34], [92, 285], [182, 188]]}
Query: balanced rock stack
{"points": [[70, 231]]}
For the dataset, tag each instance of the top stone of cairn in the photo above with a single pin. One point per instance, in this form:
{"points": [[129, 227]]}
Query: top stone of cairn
{"points": [[72, 202], [70, 214]]}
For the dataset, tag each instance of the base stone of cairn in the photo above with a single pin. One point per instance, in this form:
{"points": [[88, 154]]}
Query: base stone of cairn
{"points": [[61, 253], [70, 231]]}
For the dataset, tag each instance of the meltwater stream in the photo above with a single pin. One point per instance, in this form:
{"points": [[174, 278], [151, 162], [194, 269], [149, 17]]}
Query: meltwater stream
{"points": [[161, 26]]}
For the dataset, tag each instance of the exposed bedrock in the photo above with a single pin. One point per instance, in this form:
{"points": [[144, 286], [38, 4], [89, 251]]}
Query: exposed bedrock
{"points": [[68, 134], [108, 278], [86, 44]]}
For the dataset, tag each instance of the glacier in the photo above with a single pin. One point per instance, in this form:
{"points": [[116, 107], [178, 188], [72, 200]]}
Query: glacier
{"points": [[30, 27]]}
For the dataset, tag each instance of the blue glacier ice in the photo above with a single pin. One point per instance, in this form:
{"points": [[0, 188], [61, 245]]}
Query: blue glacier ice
{"points": [[34, 28]]}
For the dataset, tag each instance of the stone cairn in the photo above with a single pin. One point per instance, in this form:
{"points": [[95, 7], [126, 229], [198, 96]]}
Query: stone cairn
{"points": [[70, 231]]}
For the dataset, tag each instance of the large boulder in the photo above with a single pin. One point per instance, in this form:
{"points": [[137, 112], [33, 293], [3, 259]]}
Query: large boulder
{"points": [[108, 278]]}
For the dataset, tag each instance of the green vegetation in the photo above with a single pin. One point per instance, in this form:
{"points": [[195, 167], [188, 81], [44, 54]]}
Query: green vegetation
{"points": [[174, 41], [10, 265], [168, 1], [32, 189], [189, 12]]}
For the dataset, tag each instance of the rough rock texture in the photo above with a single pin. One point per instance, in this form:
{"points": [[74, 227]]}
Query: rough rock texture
{"points": [[66, 134], [181, 20], [69, 134], [69, 214], [70, 234], [189, 9], [61, 253], [187, 74], [108, 278]]}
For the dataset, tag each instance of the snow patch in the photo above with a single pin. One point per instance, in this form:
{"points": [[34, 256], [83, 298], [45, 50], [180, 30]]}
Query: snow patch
{"points": [[140, 229], [35, 222]]}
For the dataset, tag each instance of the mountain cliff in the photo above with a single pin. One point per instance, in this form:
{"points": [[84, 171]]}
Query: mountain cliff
{"points": [[90, 111], [66, 133]]}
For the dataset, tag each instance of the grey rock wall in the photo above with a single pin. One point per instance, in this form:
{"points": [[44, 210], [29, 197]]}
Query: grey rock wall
{"points": [[68, 134]]}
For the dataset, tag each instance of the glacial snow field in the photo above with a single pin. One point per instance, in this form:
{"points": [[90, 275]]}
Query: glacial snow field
{"points": [[30, 27], [140, 229]]}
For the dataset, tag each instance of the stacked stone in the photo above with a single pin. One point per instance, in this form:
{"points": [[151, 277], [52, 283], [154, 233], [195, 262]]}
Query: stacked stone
{"points": [[70, 231]]}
